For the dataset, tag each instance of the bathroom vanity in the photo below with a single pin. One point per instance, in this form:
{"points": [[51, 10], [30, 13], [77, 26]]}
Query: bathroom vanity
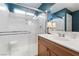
{"points": [[49, 46]]}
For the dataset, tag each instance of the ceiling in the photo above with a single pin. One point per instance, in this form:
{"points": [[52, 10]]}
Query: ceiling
{"points": [[38, 7], [59, 6], [54, 7], [33, 5]]}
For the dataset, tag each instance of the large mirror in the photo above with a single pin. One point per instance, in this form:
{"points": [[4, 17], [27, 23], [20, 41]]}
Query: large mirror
{"points": [[63, 18]]}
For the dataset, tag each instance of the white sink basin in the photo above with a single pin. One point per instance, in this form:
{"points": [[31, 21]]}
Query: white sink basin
{"points": [[61, 38]]}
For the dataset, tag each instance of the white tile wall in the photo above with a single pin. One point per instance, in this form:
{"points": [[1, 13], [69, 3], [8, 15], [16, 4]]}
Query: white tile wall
{"points": [[24, 44]]}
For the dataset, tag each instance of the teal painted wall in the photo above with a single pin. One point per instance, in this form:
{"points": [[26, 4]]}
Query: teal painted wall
{"points": [[75, 21]]}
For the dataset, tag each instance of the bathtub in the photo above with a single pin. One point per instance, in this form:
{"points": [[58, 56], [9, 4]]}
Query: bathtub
{"points": [[18, 45]]}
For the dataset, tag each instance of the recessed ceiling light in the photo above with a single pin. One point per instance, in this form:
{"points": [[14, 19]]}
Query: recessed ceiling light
{"points": [[19, 11], [31, 14], [3, 7]]}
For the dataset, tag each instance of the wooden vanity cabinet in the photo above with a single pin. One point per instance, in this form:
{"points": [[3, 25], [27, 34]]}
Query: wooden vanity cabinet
{"points": [[49, 48]]}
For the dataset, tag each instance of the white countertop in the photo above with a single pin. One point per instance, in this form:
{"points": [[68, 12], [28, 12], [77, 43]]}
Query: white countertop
{"points": [[72, 44]]}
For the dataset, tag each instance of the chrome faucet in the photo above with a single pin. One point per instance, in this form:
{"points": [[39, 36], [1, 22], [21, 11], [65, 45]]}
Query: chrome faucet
{"points": [[61, 34]]}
